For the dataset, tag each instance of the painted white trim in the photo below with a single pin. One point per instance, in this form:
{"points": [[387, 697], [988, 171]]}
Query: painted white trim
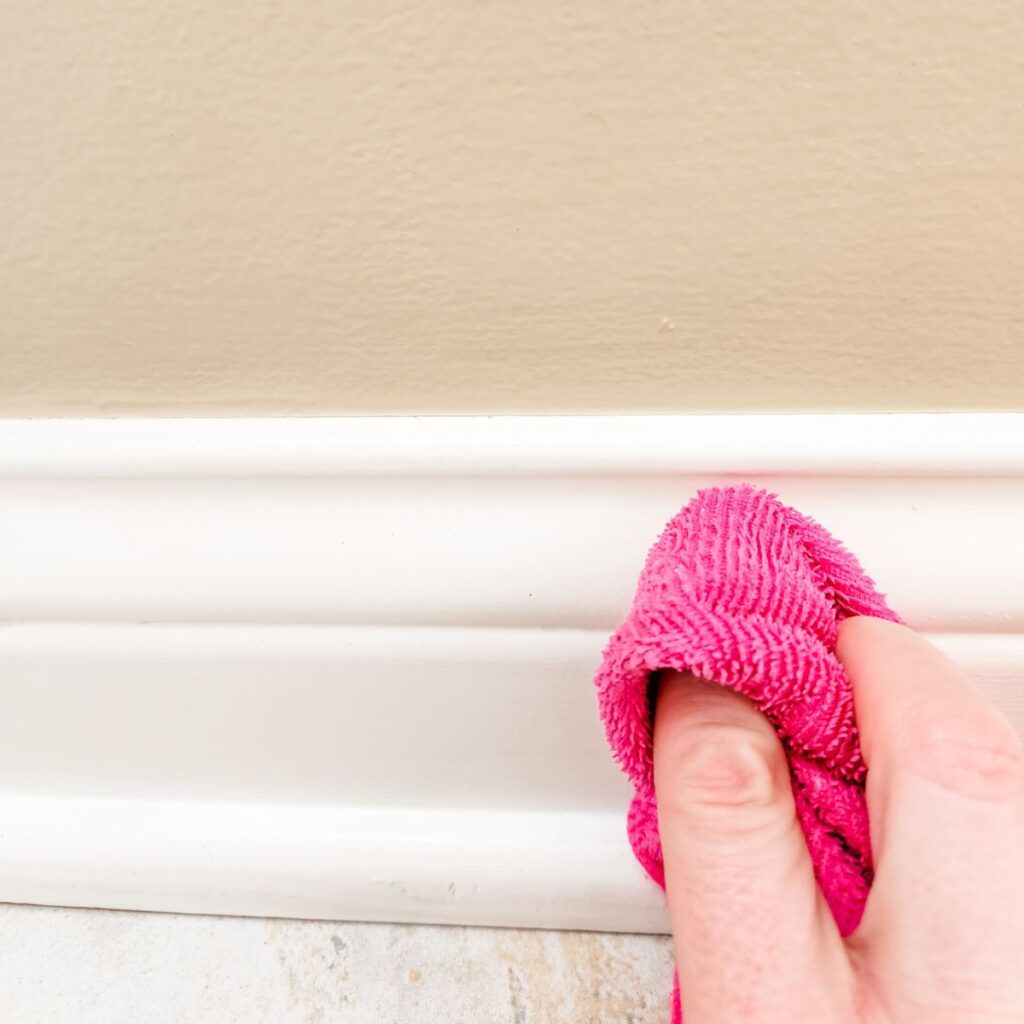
{"points": [[480, 550], [333, 668], [904, 444], [424, 774], [536, 869], [353, 715]]}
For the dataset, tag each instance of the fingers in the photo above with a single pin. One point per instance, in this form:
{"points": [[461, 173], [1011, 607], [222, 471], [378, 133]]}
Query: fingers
{"points": [[944, 924], [752, 933]]}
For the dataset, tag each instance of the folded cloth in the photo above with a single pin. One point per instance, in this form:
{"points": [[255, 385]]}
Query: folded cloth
{"points": [[744, 591]]}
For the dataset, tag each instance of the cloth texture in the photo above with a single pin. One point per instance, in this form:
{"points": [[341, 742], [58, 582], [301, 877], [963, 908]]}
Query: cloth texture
{"points": [[744, 591]]}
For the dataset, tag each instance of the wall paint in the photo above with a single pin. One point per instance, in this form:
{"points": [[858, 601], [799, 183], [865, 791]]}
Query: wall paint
{"points": [[325, 207]]}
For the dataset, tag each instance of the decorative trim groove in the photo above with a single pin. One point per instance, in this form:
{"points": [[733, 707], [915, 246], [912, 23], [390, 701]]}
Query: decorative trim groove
{"points": [[341, 668]]}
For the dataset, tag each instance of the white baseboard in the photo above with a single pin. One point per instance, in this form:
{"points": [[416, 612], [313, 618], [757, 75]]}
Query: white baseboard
{"points": [[476, 866], [342, 668]]}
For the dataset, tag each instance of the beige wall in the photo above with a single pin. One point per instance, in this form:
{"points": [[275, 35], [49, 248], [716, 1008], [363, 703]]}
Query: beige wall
{"points": [[328, 206]]}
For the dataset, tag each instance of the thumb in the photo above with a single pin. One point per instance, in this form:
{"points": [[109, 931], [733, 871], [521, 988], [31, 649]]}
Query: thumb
{"points": [[753, 935]]}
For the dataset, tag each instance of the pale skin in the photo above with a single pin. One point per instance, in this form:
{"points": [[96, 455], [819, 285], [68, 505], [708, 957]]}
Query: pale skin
{"points": [[942, 939]]}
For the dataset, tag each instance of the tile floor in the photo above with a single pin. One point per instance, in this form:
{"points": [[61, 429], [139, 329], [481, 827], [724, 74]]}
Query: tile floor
{"points": [[115, 967]]}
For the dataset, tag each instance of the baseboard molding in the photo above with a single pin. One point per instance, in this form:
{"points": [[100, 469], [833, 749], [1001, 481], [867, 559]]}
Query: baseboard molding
{"points": [[537, 869], [341, 668]]}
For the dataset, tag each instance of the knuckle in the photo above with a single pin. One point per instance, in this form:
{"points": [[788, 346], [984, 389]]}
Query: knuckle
{"points": [[725, 771], [977, 755]]}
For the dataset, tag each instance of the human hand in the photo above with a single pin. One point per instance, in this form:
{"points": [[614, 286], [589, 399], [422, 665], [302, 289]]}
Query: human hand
{"points": [[942, 937]]}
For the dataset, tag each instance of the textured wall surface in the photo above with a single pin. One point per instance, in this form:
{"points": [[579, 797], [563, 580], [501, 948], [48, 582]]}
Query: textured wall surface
{"points": [[104, 967], [379, 206]]}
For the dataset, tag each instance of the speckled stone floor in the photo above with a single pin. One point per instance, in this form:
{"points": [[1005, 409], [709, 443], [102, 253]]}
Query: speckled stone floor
{"points": [[114, 967]]}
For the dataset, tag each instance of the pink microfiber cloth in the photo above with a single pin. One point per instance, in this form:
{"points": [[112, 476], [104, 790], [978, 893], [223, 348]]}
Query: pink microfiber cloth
{"points": [[741, 590]]}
